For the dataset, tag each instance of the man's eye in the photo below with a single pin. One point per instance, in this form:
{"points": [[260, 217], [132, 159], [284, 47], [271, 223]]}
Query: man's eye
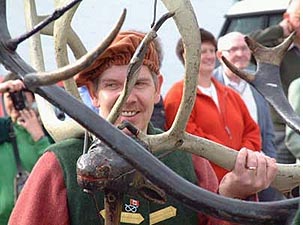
{"points": [[111, 85], [140, 84]]}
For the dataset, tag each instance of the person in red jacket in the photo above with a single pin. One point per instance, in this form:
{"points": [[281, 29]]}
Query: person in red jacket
{"points": [[219, 114]]}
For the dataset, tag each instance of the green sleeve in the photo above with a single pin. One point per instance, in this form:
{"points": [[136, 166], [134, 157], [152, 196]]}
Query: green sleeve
{"points": [[41, 145], [4, 128], [292, 139]]}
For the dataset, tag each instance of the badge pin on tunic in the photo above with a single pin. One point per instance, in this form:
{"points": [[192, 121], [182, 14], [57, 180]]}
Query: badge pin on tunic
{"points": [[132, 206]]}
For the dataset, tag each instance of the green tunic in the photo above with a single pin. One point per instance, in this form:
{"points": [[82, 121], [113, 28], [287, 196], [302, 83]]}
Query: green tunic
{"points": [[29, 151], [82, 209]]}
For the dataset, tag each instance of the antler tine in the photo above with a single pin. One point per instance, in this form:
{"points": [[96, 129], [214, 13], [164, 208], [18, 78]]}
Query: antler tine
{"points": [[12, 44], [188, 27], [244, 75], [262, 54], [62, 129], [46, 78], [287, 178], [73, 39], [269, 55], [58, 129], [134, 67], [267, 79], [61, 27]]}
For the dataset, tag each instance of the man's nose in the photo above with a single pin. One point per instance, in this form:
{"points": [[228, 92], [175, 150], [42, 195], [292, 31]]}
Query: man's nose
{"points": [[132, 97]]}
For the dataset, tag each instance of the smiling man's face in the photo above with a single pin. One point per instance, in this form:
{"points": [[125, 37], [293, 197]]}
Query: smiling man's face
{"points": [[140, 103]]}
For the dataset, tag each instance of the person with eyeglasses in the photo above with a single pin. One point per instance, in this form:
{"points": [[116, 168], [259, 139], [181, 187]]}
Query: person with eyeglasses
{"points": [[234, 48], [219, 113]]}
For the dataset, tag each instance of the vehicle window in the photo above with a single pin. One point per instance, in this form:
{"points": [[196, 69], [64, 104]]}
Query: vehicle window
{"points": [[246, 25], [275, 19]]}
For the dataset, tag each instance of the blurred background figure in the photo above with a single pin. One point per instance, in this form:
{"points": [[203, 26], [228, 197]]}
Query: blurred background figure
{"points": [[234, 48], [219, 114], [292, 139], [22, 141], [289, 69], [1, 99]]}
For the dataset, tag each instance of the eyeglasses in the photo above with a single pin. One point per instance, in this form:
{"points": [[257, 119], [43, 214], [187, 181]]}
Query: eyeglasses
{"points": [[235, 49]]}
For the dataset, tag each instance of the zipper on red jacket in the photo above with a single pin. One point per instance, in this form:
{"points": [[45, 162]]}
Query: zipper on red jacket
{"points": [[223, 108], [221, 111], [228, 131]]}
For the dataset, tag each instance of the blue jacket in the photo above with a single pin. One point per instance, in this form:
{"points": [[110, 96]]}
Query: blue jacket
{"points": [[264, 118]]}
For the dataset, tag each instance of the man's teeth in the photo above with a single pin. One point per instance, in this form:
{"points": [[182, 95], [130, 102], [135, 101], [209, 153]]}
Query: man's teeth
{"points": [[128, 113]]}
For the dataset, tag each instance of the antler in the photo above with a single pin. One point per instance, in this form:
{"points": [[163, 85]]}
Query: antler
{"points": [[267, 80], [58, 129], [177, 138], [134, 67], [185, 142], [46, 110]]}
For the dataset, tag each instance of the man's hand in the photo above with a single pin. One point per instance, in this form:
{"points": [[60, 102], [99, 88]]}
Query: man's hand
{"points": [[29, 120], [252, 173], [287, 27]]}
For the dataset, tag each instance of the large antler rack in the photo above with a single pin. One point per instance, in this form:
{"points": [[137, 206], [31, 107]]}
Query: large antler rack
{"points": [[187, 193], [176, 137], [289, 174]]}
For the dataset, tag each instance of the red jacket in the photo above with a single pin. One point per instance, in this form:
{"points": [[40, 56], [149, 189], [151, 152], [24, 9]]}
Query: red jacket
{"points": [[231, 126]]}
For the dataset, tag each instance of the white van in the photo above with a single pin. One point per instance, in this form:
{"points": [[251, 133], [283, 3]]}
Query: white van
{"points": [[249, 15]]}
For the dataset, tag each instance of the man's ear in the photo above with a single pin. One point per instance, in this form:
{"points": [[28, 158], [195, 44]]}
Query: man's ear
{"points": [[93, 93], [219, 55], [158, 88], [285, 15]]}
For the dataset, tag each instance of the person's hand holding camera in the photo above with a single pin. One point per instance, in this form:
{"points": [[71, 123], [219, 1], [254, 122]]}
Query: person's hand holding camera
{"points": [[29, 120], [11, 86], [18, 103]]}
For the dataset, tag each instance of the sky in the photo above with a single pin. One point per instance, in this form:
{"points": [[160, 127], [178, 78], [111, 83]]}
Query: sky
{"points": [[95, 18]]}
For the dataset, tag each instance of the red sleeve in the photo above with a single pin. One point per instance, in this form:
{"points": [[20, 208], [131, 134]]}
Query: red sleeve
{"points": [[206, 179], [43, 199]]}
